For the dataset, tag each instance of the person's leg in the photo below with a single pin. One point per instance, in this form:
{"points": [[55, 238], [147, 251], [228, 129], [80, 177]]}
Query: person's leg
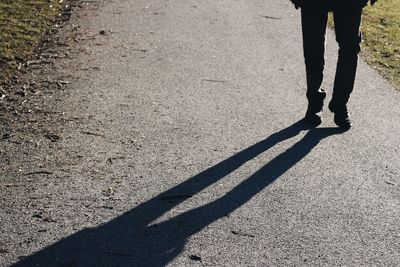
{"points": [[314, 20], [347, 28]]}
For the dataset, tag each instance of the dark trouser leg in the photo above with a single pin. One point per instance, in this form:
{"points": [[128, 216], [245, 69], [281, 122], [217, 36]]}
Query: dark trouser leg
{"points": [[314, 20], [347, 29]]}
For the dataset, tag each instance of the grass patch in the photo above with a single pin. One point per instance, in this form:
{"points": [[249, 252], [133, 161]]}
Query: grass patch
{"points": [[381, 29], [22, 24]]}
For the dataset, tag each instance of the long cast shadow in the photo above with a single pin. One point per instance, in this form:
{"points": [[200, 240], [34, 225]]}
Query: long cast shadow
{"points": [[131, 240]]}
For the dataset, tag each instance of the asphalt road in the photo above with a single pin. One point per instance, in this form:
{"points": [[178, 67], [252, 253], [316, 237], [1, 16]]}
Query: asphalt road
{"points": [[192, 153]]}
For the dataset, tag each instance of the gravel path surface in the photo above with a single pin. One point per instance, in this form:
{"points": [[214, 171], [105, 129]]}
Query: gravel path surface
{"points": [[188, 150]]}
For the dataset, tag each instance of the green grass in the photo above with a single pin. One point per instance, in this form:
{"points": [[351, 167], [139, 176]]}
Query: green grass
{"points": [[381, 30], [22, 24]]}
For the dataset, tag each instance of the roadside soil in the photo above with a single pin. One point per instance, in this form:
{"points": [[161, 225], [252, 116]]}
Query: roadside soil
{"points": [[37, 108]]}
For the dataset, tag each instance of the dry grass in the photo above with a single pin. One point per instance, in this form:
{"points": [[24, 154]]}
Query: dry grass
{"points": [[381, 29], [22, 24]]}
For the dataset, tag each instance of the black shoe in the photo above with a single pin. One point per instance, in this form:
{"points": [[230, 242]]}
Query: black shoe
{"points": [[312, 118], [341, 117]]}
